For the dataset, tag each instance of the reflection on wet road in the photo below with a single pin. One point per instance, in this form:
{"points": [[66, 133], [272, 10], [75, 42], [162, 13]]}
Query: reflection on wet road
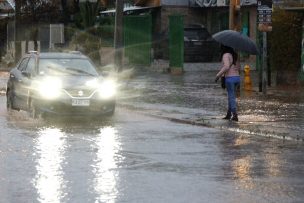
{"points": [[49, 149], [136, 158], [105, 164]]}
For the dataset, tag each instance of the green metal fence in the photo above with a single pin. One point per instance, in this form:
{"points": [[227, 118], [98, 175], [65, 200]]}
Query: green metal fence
{"points": [[301, 72], [176, 41], [138, 39]]}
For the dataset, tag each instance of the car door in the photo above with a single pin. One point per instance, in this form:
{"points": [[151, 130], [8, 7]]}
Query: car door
{"points": [[28, 72], [16, 80]]}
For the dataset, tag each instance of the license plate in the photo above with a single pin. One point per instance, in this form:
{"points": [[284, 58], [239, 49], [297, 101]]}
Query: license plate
{"points": [[197, 43], [80, 102]]}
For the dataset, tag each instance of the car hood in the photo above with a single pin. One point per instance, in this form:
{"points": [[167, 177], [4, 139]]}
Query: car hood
{"points": [[73, 82]]}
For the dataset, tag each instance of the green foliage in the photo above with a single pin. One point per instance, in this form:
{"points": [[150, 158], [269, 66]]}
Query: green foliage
{"points": [[88, 43], [88, 14], [38, 10], [285, 40], [106, 30], [93, 37]]}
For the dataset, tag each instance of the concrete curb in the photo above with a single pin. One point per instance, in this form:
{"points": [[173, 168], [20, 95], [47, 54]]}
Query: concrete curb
{"points": [[218, 123]]}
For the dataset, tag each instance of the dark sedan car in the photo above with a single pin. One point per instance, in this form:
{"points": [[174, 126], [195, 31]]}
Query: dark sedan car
{"points": [[65, 84], [199, 46]]}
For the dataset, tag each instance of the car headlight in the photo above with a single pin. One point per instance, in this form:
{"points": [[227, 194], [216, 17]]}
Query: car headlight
{"points": [[50, 88], [92, 83], [107, 89]]}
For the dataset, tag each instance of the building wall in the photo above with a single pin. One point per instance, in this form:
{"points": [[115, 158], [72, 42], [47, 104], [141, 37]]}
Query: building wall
{"points": [[214, 18], [174, 2], [252, 27], [190, 15], [209, 17], [147, 3]]}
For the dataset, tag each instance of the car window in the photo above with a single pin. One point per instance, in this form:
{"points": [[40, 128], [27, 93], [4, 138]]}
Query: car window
{"points": [[196, 34], [66, 67], [204, 34], [23, 64], [31, 66], [191, 34]]}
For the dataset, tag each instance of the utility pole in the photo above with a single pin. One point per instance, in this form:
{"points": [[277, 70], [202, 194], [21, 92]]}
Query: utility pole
{"points": [[264, 25], [16, 32], [118, 34], [235, 15], [264, 66], [235, 20]]}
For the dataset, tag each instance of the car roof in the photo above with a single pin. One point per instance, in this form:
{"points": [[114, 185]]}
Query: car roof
{"points": [[194, 26], [60, 55]]}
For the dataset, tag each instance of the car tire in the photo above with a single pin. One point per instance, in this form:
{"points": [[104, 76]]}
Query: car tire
{"points": [[9, 104], [9, 101], [33, 110], [111, 113]]}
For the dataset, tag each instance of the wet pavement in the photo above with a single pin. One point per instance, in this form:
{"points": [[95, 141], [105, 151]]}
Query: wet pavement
{"points": [[165, 143], [195, 99], [136, 158]]}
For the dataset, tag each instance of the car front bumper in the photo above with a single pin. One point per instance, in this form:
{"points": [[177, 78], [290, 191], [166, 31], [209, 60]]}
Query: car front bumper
{"points": [[94, 107]]}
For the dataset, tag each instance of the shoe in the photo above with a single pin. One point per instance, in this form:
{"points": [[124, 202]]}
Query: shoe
{"points": [[228, 115], [234, 117]]}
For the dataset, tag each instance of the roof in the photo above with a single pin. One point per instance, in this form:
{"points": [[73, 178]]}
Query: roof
{"points": [[127, 9], [7, 9], [7, 6], [62, 55], [194, 26]]}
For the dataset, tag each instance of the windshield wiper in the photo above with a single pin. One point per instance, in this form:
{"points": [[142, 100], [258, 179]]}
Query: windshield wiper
{"points": [[56, 68]]}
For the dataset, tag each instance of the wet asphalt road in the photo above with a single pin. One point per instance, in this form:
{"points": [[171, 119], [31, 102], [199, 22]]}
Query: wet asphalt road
{"points": [[136, 158]]}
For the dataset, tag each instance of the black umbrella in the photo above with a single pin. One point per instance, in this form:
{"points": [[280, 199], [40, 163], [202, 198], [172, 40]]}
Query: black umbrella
{"points": [[237, 41]]}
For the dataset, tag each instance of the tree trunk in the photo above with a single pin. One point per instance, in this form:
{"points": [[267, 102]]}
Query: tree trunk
{"points": [[65, 11], [35, 39]]}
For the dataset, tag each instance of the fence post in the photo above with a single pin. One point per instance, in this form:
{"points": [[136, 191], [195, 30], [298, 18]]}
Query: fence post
{"points": [[176, 44]]}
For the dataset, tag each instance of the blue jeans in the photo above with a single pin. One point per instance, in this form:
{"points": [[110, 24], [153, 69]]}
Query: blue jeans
{"points": [[231, 84]]}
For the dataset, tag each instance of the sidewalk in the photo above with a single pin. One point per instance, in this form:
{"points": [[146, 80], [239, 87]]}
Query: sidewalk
{"points": [[195, 99]]}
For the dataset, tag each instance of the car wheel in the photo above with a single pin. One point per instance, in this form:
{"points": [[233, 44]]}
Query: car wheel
{"points": [[33, 110], [9, 101], [111, 113]]}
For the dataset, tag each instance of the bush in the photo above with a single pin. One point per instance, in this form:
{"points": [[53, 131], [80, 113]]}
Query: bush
{"points": [[88, 44], [285, 44]]}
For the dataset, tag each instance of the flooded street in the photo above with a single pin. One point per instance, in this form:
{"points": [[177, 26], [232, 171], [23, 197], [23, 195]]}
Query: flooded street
{"points": [[105, 101], [136, 158]]}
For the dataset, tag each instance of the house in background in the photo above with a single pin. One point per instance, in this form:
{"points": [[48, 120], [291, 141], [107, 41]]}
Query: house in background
{"points": [[213, 14], [6, 13], [32, 27]]}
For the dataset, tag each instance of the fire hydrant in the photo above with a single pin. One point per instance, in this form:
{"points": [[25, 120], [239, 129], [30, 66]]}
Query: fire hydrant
{"points": [[247, 79]]}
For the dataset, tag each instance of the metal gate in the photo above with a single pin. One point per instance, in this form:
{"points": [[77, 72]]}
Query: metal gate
{"points": [[138, 39], [176, 42]]}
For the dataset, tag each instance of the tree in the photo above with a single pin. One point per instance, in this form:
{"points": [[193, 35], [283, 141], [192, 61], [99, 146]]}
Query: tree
{"points": [[285, 50], [31, 13], [89, 12]]}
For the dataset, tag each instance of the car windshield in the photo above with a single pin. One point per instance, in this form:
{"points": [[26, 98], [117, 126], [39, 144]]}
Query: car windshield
{"points": [[66, 67]]}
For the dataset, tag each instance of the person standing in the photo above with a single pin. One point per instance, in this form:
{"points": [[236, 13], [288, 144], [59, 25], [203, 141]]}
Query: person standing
{"points": [[230, 70]]}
